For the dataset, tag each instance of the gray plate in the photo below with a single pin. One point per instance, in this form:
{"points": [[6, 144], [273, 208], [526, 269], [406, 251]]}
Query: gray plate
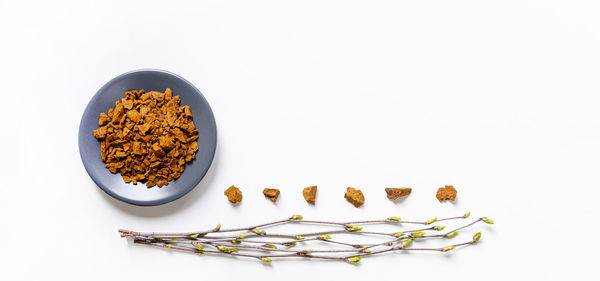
{"points": [[149, 80]]}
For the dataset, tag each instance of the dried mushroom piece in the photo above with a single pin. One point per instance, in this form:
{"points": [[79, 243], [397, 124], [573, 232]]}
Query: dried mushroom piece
{"points": [[310, 194], [446, 193], [271, 193], [234, 194], [394, 193], [354, 196], [147, 137]]}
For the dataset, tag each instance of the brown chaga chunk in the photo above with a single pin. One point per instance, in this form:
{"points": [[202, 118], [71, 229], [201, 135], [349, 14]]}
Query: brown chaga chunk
{"points": [[147, 137], [354, 196], [310, 194], [394, 193], [446, 193], [118, 113], [166, 143], [134, 116], [234, 194], [103, 120], [157, 150], [100, 133], [271, 193]]}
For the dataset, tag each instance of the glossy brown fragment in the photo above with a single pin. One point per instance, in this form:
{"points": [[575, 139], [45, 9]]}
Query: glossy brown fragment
{"points": [[394, 193], [310, 194], [354, 196], [271, 193], [234, 194], [446, 193]]}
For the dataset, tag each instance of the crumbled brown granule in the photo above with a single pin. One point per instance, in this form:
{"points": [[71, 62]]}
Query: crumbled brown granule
{"points": [[310, 194], [354, 196], [147, 137], [446, 193], [394, 193], [271, 193], [234, 194]]}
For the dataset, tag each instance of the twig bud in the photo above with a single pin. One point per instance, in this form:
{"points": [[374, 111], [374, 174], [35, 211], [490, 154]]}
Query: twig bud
{"points": [[477, 236], [241, 236], [439, 228], [259, 232], [300, 237], [466, 215], [236, 242], [431, 221], [488, 221], [406, 243], [358, 246], [366, 251], [290, 244], [417, 234], [394, 218], [218, 227], [226, 250], [350, 227], [194, 235], [450, 248], [305, 252], [399, 234], [267, 260], [297, 217], [270, 246], [325, 237], [169, 246], [354, 260], [452, 234], [200, 247]]}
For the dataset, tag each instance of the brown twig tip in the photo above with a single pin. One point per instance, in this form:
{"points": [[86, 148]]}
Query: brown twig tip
{"points": [[239, 241]]}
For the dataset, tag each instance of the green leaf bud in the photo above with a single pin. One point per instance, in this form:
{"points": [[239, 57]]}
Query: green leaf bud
{"points": [[394, 218], [353, 228], [448, 249], [477, 236]]}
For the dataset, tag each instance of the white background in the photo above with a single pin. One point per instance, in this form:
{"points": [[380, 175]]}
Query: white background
{"points": [[498, 98]]}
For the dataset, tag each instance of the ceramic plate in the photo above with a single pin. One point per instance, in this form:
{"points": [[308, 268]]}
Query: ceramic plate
{"points": [[149, 80]]}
